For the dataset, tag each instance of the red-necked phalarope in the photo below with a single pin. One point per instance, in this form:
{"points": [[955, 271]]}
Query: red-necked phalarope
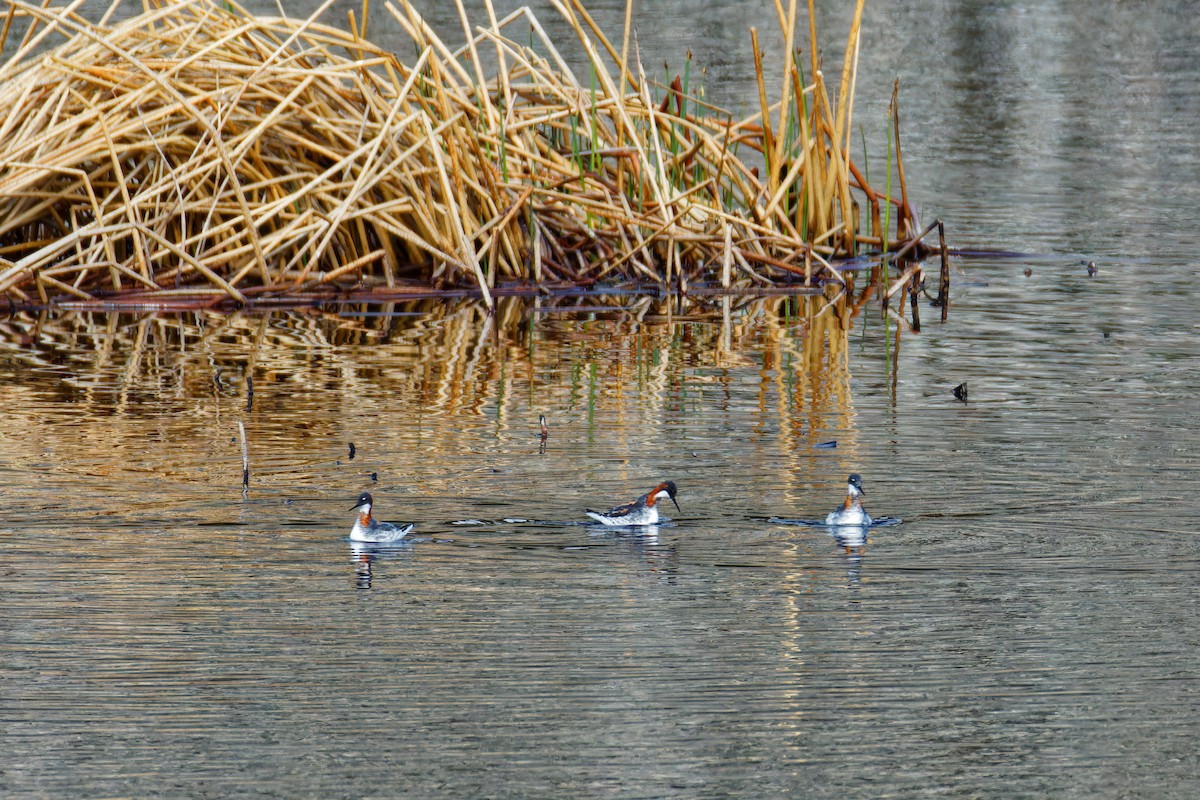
{"points": [[642, 511], [367, 529], [852, 511]]}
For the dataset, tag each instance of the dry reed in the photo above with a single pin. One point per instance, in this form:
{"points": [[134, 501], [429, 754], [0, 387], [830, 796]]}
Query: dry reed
{"points": [[196, 153]]}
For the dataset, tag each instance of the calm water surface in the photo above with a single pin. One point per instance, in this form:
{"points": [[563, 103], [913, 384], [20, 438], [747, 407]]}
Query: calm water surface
{"points": [[1030, 630]]}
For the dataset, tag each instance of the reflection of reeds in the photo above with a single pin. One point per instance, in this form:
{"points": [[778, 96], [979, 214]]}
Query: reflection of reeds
{"points": [[196, 153], [440, 353], [436, 386]]}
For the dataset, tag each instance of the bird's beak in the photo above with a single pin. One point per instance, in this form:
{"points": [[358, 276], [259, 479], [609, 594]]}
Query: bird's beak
{"points": [[676, 502]]}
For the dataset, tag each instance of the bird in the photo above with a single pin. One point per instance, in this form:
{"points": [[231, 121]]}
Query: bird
{"points": [[643, 511], [851, 512], [367, 529]]}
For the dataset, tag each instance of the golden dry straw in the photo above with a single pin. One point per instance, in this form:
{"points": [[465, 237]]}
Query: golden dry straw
{"points": [[195, 150]]}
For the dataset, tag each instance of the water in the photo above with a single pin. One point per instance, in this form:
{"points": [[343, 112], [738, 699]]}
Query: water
{"points": [[1028, 630]]}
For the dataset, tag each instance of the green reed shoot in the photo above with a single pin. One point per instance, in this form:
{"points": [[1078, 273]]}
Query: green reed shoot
{"points": [[503, 145]]}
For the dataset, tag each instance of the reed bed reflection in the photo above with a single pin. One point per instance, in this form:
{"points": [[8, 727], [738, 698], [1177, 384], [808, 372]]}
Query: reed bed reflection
{"points": [[297, 378]]}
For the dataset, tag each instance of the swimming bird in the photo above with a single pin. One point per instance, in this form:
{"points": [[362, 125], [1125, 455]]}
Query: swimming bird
{"points": [[643, 511], [367, 529], [851, 512]]}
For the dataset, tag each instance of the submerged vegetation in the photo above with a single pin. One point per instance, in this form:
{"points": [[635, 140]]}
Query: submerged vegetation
{"points": [[197, 154]]}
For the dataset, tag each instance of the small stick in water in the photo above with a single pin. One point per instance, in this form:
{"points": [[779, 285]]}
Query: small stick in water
{"points": [[914, 289], [249, 394], [245, 457], [944, 277]]}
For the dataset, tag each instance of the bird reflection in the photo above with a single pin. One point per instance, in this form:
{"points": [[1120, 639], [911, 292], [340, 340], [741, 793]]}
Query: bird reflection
{"points": [[642, 543], [852, 542], [854, 564], [364, 554], [852, 538]]}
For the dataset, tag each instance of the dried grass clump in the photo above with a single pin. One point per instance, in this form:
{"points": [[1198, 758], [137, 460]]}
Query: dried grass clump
{"points": [[198, 150]]}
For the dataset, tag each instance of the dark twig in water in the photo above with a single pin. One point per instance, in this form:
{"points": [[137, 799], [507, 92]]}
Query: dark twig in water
{"points": [[245, 457], [916, 240], [943, 298], [914, 293]]}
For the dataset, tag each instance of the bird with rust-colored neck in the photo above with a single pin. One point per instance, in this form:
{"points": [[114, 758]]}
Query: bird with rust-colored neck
{"points": [[368, 529], [851, 512], [643, 511]]}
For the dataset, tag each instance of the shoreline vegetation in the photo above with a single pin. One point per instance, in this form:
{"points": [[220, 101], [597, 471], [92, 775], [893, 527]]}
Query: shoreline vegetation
{"points": [[196, 155]]}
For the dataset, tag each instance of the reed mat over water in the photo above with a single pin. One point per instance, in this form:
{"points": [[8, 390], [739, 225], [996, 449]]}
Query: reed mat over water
{"points": [[196, 154]]}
